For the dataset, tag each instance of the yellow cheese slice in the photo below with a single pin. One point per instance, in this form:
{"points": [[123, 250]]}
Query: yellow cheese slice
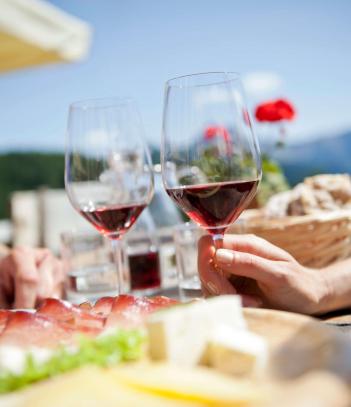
{"points": [[87, 387], [198, 384]]}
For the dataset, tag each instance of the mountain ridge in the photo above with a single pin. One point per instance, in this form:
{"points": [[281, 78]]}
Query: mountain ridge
{"points": [[322, 155]]}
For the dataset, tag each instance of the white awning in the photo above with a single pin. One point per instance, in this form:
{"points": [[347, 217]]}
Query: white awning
{"points": [[33, 32]]}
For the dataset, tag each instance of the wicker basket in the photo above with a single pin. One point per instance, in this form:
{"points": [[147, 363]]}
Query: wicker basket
{"points": [[314, 240]]}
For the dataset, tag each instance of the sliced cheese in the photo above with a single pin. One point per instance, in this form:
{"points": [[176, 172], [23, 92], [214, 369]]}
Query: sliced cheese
{"points": [[180, 334], [88, 387], [236, 351], [198, 384]]}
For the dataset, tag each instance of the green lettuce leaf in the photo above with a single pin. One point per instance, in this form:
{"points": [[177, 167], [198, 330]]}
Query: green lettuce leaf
{"points": [[106, 350]]}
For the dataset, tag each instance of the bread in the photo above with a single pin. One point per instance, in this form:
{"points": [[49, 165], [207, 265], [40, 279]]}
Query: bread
{"points": [[326, 192]]}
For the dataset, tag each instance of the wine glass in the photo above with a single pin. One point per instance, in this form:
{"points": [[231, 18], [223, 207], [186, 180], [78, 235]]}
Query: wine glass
{"points": [[108, 171], [210, 158]]}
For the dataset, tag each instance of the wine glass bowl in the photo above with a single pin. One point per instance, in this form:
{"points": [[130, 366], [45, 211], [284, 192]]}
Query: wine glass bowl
{"points": [[210, 157], [108, 171]]}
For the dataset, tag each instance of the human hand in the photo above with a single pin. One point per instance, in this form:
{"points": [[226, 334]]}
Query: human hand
{"points": [[27, 276], [263, 274]]}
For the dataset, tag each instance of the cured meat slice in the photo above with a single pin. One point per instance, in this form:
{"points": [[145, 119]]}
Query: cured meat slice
{"points": [[58, 309], [103, 305], [72, 315], [162, 302], [3, 318], [26, 329], [129, 311], [86, 306]]}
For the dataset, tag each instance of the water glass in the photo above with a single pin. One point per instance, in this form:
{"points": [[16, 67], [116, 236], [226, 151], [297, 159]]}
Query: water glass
{"points": [[91, 271], [186, 238]]}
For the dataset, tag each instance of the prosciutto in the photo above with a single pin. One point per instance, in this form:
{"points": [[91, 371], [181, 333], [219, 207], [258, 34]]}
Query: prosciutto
{"points": [[3, 318], [130, 312], [27, 329], [58, 322], [75, 316], [103, 306]]}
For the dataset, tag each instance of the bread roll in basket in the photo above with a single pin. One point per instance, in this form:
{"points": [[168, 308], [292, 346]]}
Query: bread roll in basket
{"points": [[313, 227]]}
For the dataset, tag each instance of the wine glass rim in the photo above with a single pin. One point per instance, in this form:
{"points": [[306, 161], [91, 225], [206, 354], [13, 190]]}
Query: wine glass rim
{"points": [[101, 102], [172, 82]]}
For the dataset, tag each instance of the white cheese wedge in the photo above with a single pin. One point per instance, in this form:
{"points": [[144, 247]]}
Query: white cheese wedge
{"points": [[181, 333], [237, 352], [178, 335], [225, 310]]}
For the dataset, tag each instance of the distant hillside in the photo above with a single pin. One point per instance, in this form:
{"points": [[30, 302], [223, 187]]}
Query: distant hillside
{"points": [[31, 170], [324, 155], [20, 171], [26, 171]]}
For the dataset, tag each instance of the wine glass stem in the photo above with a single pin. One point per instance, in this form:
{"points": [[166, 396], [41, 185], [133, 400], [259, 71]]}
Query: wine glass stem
{"points": [[218, 240], [122, 268]]}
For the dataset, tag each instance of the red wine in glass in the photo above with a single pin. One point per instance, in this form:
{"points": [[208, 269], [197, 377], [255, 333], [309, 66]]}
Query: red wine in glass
{"points": [[113, 220], [108, 170], [144, 270], [214, 206]]}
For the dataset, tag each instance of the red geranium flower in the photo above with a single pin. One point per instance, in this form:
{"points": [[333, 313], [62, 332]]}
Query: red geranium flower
{"points": [[275, 111]]}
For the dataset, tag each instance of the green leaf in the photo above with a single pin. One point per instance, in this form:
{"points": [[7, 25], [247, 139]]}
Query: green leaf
{"points": [[273, 180], [120, 346]]}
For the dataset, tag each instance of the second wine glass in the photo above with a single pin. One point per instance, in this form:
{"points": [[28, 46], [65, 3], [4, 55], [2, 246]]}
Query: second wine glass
{"points": [[210, 157], [108, 171]]}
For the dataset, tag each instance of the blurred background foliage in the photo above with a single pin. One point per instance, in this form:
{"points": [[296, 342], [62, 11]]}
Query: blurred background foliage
{"points": [[28, 171], [273, 180], [32, 170]]}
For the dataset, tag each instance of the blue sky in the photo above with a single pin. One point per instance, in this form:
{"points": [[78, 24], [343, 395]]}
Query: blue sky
{"points": [[139, 44]]}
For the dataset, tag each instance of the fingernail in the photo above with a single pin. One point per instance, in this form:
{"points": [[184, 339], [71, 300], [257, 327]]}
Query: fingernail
{"points": [[224, 257], [212, 288]]}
